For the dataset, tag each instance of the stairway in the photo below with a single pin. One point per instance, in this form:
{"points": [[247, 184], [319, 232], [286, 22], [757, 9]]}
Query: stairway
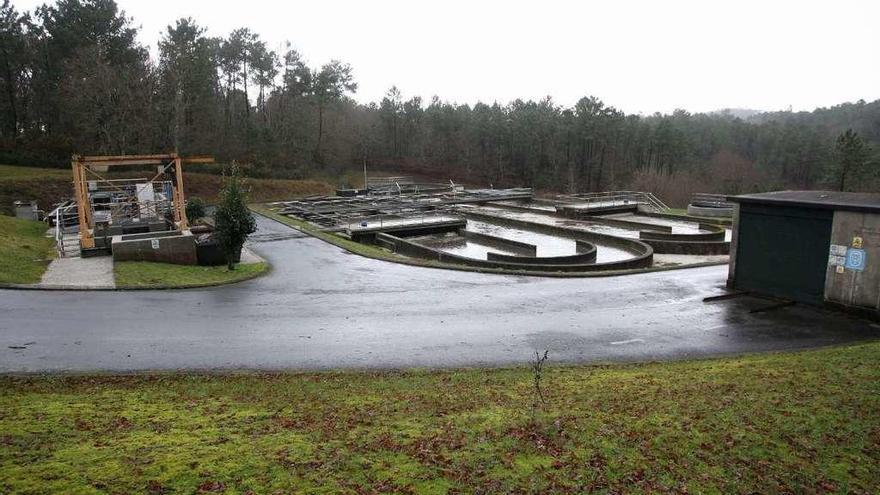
{"points": [[68, 245]]}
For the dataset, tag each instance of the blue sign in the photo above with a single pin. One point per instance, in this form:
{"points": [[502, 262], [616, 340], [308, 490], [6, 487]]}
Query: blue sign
{"points": [[855, 259]]}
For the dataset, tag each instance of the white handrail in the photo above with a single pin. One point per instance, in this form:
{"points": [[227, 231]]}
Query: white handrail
{"points": [[619, 196], [59, 233], [60, 224]]}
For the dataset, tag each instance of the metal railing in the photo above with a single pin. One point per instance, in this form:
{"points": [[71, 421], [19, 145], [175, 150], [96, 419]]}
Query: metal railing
{"points": [[59, 235], [613, 198], [60, 224], [399, 217]]}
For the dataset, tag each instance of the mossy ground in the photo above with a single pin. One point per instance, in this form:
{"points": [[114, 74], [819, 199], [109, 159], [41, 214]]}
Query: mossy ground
{"points": [[49, 186], [778, 423], [25, 251], [682, 212], [142, 274], [14, 172]]}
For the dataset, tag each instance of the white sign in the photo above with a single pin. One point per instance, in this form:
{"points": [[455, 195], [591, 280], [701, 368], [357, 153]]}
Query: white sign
{"points": [[836, 260], [155, 244], [838, 250]]}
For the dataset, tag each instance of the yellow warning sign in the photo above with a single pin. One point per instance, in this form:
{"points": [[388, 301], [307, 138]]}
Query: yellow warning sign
{"points": [[857, 242]]}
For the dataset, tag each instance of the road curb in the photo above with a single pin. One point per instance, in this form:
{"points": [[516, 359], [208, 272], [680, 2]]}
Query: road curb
{"points": [[51, 288]]}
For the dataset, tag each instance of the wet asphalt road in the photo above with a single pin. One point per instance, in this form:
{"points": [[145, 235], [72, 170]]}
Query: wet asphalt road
{"points": [[323, 308]]}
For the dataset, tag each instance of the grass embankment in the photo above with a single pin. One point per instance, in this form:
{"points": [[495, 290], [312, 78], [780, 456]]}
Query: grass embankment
{"points": [[25, 251], [682, 212], [14, 172], [49, 186], [45, 185], [788, 423], [143, 274]]}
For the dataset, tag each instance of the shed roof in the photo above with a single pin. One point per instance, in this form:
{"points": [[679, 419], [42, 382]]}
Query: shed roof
{"points": [[826, 200]]}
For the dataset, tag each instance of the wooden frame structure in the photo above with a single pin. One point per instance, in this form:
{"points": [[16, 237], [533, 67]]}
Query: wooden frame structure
{"points": [[82, 168]]}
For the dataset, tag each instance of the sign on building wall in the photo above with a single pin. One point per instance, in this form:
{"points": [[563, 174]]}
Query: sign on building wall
{"points": [[849, 258], [855, 260]]}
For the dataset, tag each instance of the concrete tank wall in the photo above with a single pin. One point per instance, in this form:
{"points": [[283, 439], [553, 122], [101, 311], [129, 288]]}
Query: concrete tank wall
{"points": [[177, 249], [521, 248], [694, 248], [714, 234], [584, 258], [409, 248]]}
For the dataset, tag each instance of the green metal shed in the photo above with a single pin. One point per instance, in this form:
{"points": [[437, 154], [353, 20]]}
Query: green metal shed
{"points": [[784, 244]]}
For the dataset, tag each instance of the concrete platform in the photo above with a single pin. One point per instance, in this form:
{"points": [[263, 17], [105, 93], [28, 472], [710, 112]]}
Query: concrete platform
{"points": [[80, 273], [248, 257]]}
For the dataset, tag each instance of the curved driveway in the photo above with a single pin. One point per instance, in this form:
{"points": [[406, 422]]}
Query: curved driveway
{"points": [[324, 308]]}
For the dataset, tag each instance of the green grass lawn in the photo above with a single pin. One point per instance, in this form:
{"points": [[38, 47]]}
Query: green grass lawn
{"points": [[25, 251], [141, 274], [682, 212], [803, 422]]}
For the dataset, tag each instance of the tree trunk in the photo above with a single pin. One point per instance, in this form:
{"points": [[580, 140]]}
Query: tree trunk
{"points": [[10, 92], [320, 127]]}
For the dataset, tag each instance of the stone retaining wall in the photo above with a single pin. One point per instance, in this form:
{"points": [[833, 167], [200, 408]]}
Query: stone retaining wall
{"points": [[179, 248]]}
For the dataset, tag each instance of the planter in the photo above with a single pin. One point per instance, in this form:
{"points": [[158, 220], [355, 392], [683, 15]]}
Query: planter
{"points": [[210, 254]]}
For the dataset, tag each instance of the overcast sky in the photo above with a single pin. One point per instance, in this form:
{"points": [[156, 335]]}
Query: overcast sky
{"points": [[640, 56]]}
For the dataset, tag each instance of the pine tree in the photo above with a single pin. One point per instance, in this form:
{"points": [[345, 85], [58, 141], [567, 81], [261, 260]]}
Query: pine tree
{"points": [[852, 157], [233, 221]]}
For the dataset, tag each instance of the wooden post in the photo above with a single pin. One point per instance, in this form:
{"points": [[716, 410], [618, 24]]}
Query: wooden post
{"points": [[83, 206], [179, 197]]}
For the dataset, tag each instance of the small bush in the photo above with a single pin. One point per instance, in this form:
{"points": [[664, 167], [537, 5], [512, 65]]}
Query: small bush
{"points": [[195, 209]]}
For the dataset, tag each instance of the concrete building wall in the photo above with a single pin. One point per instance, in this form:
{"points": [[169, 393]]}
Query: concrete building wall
{"points": [[847, 286], [731, 270]]}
